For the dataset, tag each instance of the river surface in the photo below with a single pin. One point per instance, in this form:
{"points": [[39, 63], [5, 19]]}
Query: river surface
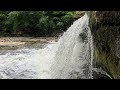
{"points": [[28, 62]]}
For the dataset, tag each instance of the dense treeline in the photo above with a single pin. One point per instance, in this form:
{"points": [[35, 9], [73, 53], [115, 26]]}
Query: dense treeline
{"points": [[36, 23]]}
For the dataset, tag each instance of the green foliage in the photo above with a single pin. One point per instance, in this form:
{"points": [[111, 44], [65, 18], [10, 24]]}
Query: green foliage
{"points": [[35, 23], [3, 17]]}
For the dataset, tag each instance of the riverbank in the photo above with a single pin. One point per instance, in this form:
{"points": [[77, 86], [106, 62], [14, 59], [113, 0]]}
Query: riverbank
{"points": [[16, 42]]}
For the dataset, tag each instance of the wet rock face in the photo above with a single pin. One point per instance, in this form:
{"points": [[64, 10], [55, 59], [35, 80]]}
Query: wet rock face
{"points": [[108, 18], [105, 27]]}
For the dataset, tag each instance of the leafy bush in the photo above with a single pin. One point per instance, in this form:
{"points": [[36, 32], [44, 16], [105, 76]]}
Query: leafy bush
{"points": [[35, 23]]}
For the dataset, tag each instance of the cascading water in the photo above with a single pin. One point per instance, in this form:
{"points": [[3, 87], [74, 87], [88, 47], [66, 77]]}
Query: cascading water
{"points": [[74, 56], [70, 58]]}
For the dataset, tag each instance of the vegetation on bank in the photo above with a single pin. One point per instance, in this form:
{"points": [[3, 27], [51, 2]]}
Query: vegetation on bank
{"points": [[36, 23]]}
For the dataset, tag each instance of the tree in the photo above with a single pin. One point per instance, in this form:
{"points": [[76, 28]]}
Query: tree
{"points": [[36, 23]]}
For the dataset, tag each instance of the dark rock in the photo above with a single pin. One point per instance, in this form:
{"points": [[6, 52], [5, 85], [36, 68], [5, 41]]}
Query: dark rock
{"points": [[99, 76], [105, 27]]}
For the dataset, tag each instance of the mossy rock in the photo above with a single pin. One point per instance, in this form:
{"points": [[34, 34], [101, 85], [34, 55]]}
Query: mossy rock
{"points": [[105, 27], [110, 18]]}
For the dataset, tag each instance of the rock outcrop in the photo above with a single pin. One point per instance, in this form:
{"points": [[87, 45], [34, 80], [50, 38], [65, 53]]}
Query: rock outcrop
{"points": [[105, 27]]}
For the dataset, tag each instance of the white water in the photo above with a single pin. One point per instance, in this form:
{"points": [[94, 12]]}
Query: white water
{"points": [[74, 55], [70, 58], [27, 63]]}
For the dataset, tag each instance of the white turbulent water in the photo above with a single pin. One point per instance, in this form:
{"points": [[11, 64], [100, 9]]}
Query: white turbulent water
{"points": [[73, 58], [27, 63], [70, 58]]}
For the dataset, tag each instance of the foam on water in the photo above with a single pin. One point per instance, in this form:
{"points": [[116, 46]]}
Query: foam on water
{"points": [[27, 63]]}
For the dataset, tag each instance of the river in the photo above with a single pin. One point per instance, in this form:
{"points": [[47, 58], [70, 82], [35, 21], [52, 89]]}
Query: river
{"points": [[29, 62]]}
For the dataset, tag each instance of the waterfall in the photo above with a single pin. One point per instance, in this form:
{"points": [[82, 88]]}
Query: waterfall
{"points": [[73, 59], [69, 58]]}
